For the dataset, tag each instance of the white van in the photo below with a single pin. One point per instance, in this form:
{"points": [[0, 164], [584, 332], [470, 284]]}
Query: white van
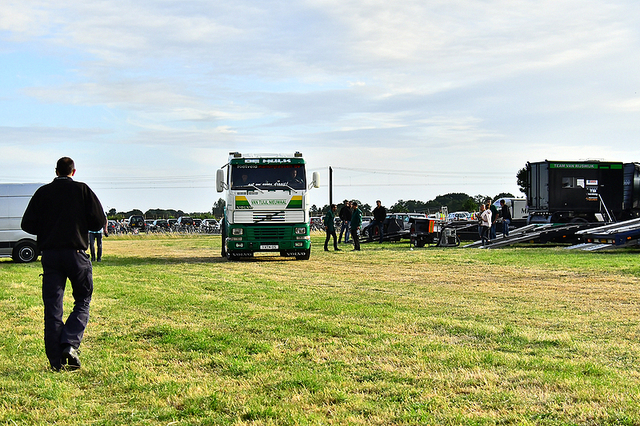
{"points": [[14, 242]]}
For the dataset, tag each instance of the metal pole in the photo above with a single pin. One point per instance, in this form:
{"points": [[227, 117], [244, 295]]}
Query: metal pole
{"points": [[330, 186]]}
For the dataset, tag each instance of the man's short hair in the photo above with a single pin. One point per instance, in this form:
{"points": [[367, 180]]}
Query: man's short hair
{"points": [[65, 166], [355, 203]]}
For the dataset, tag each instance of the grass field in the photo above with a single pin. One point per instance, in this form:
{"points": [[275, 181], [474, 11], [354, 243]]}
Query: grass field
{"points": [[386, 336]]}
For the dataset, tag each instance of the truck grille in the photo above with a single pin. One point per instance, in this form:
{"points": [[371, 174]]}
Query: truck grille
{"points": [[268, 232]]}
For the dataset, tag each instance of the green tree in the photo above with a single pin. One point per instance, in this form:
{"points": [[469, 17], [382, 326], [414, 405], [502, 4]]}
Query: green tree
{"points": [[218, 208], [523, 180]]}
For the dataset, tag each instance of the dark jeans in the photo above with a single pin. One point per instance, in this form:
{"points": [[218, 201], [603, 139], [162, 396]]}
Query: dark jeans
{"points": [[57, 266], [345, 228], [335, 238], [505, 227], [356, 239], [484, 234], [97, 238]]}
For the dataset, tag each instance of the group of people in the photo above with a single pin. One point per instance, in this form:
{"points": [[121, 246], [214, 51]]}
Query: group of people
{"points": [[489, 215], [351, 222]]}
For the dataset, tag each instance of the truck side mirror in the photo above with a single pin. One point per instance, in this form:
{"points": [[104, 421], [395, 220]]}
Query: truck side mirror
{"points": [[220, 184], [316, 180]]}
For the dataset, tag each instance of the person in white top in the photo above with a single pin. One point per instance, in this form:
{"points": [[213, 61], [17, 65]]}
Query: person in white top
{"points": [[485, 224]]}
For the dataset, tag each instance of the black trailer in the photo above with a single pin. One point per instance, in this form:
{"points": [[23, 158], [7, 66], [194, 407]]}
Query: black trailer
{"points": [[578, 191]]}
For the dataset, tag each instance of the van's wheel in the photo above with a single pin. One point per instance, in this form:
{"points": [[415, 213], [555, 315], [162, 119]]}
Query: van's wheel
{"points": [[25, 252]]}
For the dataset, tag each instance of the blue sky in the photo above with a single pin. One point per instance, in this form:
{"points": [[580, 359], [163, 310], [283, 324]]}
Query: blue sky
{"points": [[405, 100]]}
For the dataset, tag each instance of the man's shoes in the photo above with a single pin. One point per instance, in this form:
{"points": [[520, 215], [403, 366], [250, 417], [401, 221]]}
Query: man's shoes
{"points": [[70, 357], [326, 249]]}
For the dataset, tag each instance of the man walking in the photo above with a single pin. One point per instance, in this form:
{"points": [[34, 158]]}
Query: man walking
{"points": [[61, 214]]}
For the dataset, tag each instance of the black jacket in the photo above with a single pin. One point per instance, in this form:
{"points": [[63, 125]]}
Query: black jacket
{"points": [[345, 213], [62, 213], [380, 214]]}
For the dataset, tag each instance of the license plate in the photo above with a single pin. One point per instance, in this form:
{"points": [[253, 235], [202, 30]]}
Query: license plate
{"points": [[268, 247]]}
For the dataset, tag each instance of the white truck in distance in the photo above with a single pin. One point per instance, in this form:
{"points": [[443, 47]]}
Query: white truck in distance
{"points": [[14, 242]]}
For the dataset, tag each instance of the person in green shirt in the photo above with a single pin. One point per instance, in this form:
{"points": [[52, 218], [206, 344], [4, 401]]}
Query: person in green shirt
{"points": [[330, 227], [356, 223]]}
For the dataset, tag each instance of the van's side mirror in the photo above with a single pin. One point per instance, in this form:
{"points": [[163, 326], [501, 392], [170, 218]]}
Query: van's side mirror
{"points": [[316, 180], [220, 183]]}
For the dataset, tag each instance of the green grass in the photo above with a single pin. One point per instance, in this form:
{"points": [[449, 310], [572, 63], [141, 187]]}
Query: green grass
{"points": [[387, 336]]}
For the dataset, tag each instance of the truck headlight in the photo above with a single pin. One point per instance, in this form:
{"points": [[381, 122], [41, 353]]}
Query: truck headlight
{"points": [[301, 231], [237, 231]]}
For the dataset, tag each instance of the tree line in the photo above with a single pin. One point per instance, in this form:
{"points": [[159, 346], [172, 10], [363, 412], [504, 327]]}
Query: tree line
{"points": [[456, 201]]}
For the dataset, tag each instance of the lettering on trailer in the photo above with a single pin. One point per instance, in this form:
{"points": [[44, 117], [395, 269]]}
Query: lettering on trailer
{"points": [[573, 166], [243, 203], [269, 202]]}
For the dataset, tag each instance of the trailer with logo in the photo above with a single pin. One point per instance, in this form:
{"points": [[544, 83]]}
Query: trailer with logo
{"points": [[582, 191], [266, 205]]}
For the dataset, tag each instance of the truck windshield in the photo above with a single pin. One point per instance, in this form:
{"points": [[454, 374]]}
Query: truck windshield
{"points": [[269, 176]]}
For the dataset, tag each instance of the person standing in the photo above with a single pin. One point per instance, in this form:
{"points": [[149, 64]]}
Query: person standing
{"points": [[330, 227], [505, 213], [356, 223], [95, 239], [345, 217], [61, 214], [494, 218], [485, 224], [379, 215]]}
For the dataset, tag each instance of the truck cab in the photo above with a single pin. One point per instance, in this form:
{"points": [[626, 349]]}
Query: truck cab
{"points": [[266, 205]]}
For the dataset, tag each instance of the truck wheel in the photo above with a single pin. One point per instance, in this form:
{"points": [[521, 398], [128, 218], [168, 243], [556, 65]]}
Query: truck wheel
{"points": [[25, 252], [224, 241]]}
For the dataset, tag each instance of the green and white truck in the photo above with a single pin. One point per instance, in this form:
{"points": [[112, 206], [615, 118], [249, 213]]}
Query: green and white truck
{"points": [[266, 205]]}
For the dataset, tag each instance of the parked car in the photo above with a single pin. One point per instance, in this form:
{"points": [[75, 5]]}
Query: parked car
{"points": [[210, 226], [161, 225], [403, 219], [459, 216], [185, 221], [317, 223], [136, 222]]}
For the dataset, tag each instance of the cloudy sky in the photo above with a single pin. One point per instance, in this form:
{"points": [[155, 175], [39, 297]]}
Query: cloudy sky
{"points": [[403, 99]]}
